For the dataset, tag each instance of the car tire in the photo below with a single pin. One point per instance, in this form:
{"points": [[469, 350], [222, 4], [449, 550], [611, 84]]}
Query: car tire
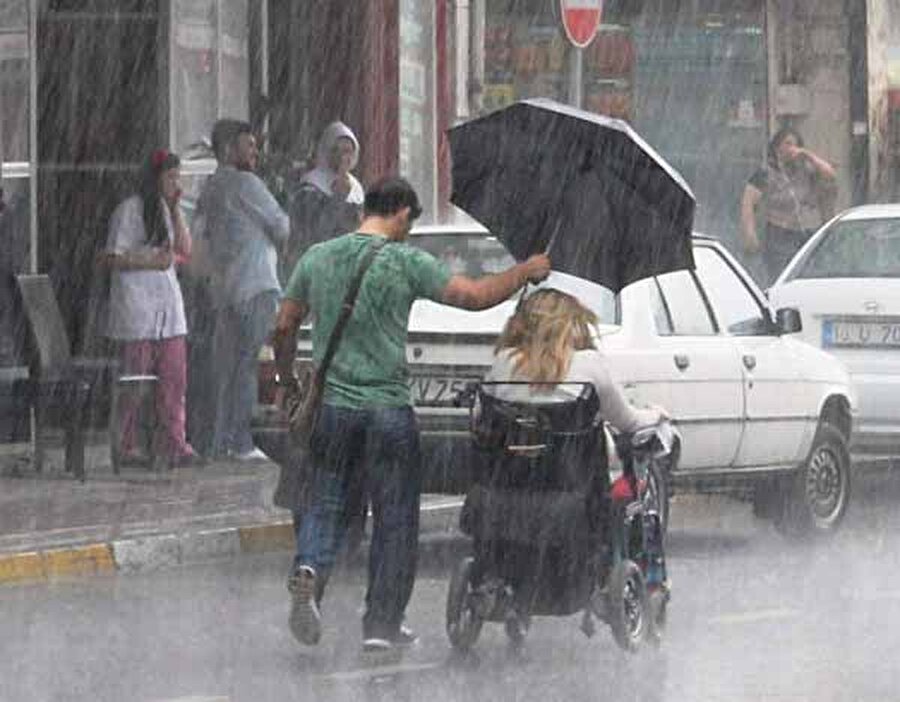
{"points": [[819, 492]]}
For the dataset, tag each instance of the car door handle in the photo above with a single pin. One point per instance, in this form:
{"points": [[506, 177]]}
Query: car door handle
{"points": [[749, 362], [682, 361]]}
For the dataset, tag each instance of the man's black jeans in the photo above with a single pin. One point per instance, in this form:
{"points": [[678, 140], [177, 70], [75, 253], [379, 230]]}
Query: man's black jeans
{"points": [[379, 446]]}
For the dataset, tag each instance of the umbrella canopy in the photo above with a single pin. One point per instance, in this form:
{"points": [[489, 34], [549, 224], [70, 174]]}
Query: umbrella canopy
{"points": [[587, 189]]}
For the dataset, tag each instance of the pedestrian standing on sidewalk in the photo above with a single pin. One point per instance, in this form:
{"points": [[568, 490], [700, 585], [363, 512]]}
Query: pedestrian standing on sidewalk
{"points": [[147, 237], [796, 189], [244, 227], [367, 430], [329, 199]]}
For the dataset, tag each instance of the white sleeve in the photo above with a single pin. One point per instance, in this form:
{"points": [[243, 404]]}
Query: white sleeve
{"points": [[126, 227], [614, 407]]}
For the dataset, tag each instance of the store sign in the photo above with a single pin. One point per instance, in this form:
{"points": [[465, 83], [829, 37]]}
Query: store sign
{"points": [[581, 18]]}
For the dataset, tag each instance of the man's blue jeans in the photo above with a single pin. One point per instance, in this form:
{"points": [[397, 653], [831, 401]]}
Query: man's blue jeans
{"points": [[241, 331], [379, 446]]}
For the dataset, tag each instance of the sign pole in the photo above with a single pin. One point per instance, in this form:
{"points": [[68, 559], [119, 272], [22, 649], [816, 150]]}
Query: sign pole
{"points": [[580, 19], [576, 77]]}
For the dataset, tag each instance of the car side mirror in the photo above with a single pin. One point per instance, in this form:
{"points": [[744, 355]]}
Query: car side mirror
{"points": [[788, 321]]}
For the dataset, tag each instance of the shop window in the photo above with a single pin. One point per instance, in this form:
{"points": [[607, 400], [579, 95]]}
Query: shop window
{"points": [[14, 82], [210, 69], [417, 100], [15, 171]]}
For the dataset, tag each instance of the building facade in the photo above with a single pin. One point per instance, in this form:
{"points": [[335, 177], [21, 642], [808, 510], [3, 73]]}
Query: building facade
{"points": [[89, 87]]}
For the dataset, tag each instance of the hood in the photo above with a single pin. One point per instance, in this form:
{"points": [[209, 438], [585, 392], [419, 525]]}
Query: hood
{"points": [[322, 175]]}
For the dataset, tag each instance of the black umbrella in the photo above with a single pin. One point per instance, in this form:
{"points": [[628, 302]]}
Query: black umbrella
{"points": [[542, 176]]}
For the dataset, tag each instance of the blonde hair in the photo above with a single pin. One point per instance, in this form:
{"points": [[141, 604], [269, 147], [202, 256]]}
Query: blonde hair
{"points": [[546, 329]]}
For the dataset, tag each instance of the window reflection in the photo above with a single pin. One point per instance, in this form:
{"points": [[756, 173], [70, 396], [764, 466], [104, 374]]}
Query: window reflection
{"points": [[211, 70], [14, 84], [14, 253]]}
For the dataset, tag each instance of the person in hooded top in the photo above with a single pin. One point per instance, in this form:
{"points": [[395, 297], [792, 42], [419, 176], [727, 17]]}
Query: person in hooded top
{"points": [[329, 200]]}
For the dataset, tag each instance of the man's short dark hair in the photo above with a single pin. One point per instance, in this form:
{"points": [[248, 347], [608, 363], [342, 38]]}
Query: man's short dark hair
{"points": [[225, 132], [390, 195]]}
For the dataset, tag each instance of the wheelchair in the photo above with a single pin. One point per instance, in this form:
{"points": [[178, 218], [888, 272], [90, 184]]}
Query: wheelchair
{"points": [[552, 533]]}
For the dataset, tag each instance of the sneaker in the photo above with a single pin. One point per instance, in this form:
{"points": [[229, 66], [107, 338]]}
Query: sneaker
{"points": [[305, 621], [404, 638], [252, 455]]}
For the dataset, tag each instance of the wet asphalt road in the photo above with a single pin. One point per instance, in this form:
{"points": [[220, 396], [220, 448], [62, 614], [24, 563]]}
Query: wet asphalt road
{"points": [[753, 617]]}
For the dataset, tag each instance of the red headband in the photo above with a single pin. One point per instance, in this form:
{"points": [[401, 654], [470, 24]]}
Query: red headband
{"points": [[158, 158]]}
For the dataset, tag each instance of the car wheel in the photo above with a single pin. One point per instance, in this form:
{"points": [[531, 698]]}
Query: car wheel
{"points": [[657, 496], [626, 606], [463, 620], [820, 491]]}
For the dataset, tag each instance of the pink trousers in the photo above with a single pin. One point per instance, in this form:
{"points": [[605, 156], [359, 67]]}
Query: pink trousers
{"points": [[167, 359]]}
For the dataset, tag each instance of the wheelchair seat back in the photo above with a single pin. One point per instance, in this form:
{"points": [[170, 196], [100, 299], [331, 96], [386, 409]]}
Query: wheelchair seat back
{"points": [[551, 439]]}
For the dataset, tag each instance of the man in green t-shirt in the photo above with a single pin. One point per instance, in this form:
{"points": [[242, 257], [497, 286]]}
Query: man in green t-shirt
{"points": [[367, 429]]}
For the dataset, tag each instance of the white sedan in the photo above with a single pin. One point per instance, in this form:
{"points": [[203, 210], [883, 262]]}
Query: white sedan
{"points": [[846, 283]]}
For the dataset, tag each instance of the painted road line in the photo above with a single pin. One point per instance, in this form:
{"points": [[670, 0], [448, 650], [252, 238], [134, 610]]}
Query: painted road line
{"points": [[267, 537], [20, 567], [93, 559], [380, 671], [759, 615]]}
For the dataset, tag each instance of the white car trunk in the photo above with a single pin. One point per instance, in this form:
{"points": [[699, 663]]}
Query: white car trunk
{"points": [[858, 321]]}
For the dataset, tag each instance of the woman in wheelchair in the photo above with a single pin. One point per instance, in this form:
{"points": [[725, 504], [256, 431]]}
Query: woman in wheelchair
{"points": [[549, 341], [540, 512]]}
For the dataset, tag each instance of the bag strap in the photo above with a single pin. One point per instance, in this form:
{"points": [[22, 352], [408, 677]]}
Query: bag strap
{"points": [[347, 307]]}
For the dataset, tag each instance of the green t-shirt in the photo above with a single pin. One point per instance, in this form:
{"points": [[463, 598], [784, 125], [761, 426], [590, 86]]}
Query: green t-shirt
{"points": [[369, 368]]}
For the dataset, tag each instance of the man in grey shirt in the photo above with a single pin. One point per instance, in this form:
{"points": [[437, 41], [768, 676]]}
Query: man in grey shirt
{"points": [[244, 227]]}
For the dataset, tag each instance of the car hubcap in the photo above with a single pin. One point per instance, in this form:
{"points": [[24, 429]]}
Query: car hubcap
{"points": [[825, 485]]}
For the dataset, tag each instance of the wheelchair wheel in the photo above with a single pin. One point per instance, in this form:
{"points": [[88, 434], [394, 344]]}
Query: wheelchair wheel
{"points": [[516, 628], [463, 620], [657, 603], [627, 610]]}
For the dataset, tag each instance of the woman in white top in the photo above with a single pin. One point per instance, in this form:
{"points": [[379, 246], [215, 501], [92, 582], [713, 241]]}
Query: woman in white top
{"points": [[147, 237], [549, 340]]}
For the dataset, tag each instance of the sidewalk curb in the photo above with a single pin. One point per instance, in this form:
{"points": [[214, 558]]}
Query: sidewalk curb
{"points": [[143, 554]]}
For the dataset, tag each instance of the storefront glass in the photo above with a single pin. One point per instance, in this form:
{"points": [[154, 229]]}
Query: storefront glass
{"points": [[15, 171], [210, 67], [417, 100], [14, 81], [700, 97], [689, 76]]}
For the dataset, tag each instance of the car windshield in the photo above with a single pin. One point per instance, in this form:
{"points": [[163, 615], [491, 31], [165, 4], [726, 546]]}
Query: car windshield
{"points": [[472, 255], [475, 254], [866, 248]]}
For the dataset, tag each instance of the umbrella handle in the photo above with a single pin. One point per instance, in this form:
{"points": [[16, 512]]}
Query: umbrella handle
{"points": [[553, 236], [522, 296]]}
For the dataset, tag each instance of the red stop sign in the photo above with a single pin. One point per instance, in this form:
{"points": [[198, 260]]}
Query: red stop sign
{"points": [[581, 18]]}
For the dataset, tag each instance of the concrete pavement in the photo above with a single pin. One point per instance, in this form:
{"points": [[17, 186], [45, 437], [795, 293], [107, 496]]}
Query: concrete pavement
{"points": [[53, 526]]}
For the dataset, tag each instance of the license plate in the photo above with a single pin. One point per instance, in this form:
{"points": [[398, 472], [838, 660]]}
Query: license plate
{"points": [[435, 390], [861, 334]]}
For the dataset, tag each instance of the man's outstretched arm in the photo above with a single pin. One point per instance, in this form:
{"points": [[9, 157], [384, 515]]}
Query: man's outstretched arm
{"points": [[490, 290]]}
